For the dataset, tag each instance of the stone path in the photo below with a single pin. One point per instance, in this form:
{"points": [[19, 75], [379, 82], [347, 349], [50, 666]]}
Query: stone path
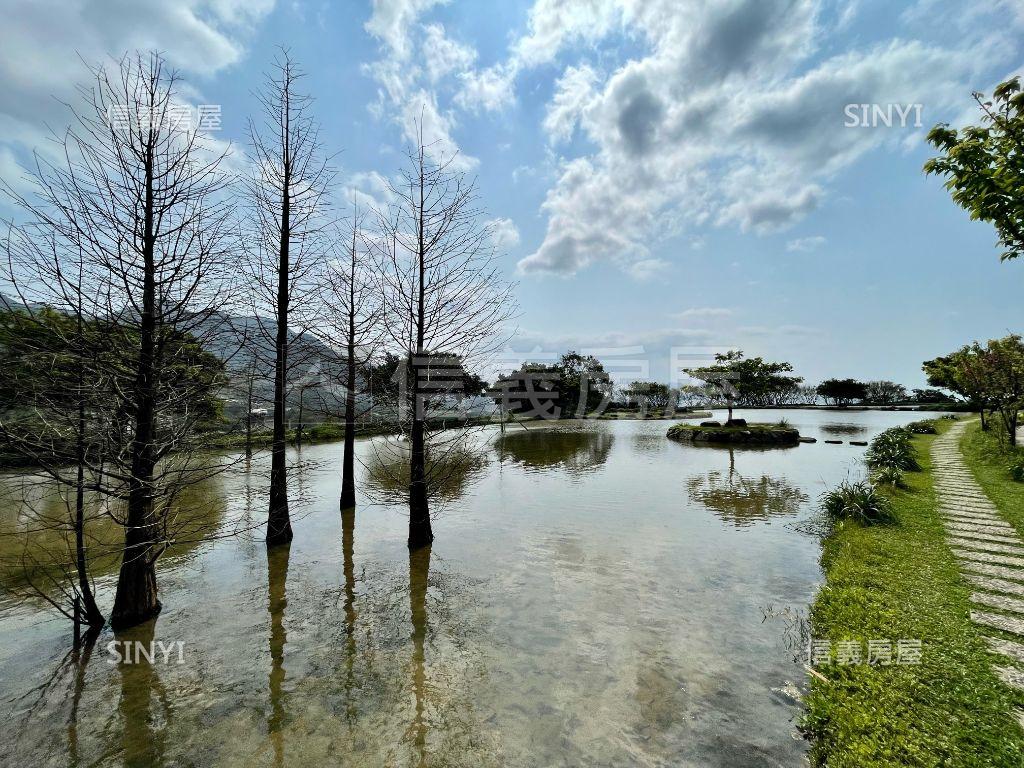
{"points": [[990, 553]]}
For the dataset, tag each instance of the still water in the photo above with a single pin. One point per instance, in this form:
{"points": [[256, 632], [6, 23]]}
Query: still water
{"points": [[595, 596]]}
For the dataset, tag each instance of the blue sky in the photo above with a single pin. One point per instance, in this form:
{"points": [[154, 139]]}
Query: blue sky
{"points": [[667, 173]]}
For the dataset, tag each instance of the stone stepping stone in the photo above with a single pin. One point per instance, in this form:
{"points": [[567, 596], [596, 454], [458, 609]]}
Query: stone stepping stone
{"points": [[951, 520], [985, 557], [988, 537], [958, 525], [954, 499], [1009, 624], [1002, 602], [995, 585], [962, 496], [947, 507], [1006, 549], [999, 571], [1012, 676], [1006, 648], [974, 518], [1001, 528]]}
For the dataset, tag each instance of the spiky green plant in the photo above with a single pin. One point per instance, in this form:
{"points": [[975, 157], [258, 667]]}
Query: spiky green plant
{"points": [[859, 501]]}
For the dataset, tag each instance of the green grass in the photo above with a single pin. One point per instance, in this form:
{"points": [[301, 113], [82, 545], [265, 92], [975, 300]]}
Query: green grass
{"points": [[990, 461], [901, 582]]}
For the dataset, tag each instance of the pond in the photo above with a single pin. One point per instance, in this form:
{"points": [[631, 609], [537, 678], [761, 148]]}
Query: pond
{"points": [[595, 596]]}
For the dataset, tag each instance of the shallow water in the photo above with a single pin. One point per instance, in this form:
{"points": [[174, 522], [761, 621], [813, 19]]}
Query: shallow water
{"points": [[595, 596]]}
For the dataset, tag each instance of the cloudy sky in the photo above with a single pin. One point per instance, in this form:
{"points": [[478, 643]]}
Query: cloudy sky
{"points": [[663, 174]]}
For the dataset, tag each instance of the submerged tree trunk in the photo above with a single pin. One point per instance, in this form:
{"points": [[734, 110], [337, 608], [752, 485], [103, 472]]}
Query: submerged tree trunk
{"points": [[136, 599], [93, 617], [348, 483], [279, 526], [248, 419], [420, 532]]}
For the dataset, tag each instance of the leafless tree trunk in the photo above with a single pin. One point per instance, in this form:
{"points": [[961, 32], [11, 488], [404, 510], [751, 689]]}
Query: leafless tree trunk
{"points": [[288, 202], [137, 196], [352, 304], [442, 295]]}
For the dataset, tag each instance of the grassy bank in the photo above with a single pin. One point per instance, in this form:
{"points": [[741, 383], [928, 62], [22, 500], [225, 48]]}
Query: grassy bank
{"points": [[990, 461], [900, 581]]}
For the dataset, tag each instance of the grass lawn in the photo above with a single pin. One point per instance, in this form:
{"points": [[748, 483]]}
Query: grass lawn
{"points": [[901, 582], [989, 460]]}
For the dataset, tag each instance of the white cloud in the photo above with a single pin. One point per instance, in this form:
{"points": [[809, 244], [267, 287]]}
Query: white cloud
{"points": [[703, 312], [805, 244], [648, 269], [723, 121], [45, 42], [444, 55], [490, 89], [574, 92], [391, 21], [415, 59], [504, 233]]}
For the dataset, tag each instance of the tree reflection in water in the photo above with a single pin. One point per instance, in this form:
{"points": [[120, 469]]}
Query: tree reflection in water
{"points": [[576, 448], [277, 578], [419, 578], [451, 469], [744, 501], [142, 731]]}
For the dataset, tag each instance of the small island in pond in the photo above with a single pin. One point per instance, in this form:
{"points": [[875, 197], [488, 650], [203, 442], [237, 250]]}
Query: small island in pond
{"points": [[735, 432]]}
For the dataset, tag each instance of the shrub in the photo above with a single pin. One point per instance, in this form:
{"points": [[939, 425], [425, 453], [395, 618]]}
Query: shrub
{"points": [[892, 449], [1017, 469], [949, 417], [926, 427], [857, 500], [889, 476]]}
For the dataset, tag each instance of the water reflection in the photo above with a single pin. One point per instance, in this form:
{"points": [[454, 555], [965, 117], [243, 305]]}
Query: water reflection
{"points": [[575, 449], [277, 578], [348, 528], [744, 501], [451, 469], [143, 738], [36, 553], [419, 578], [844, 429]]}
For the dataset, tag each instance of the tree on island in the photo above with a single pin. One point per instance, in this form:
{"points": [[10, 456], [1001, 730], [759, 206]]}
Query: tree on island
{"points": [[748, 382], [842, 392], [982, 164]]}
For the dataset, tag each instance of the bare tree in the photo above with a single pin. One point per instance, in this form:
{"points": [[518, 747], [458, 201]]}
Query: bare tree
{"points": [[288, 204], [443, 296], [136, 195], [352, 308]]}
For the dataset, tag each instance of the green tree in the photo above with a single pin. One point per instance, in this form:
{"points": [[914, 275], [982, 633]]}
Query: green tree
{"points": [[984, 164], [885, 392], [842, 392], [964, 373], [1003, 363], [749, 382]]}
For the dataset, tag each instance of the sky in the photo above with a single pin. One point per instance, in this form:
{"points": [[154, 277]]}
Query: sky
{"points": [[665, 178]]}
